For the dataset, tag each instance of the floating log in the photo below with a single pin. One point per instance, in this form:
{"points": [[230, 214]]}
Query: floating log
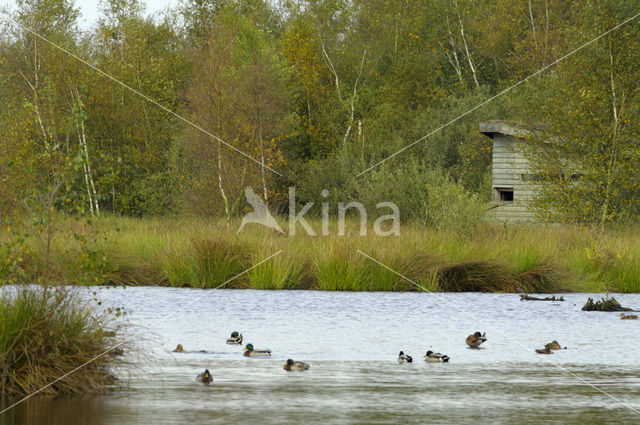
{"points": [[526, 297], [605, 304]]}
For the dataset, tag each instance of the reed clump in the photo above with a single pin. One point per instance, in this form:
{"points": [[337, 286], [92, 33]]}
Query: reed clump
{"points": [[208, 263], [45, 333], [280, 272], [338, 268]]}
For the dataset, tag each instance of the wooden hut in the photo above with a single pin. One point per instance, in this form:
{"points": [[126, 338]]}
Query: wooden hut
{"points": [[512, 179]]}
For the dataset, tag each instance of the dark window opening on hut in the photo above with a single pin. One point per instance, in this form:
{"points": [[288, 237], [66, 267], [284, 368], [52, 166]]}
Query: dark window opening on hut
{"points": [[503, 194]]}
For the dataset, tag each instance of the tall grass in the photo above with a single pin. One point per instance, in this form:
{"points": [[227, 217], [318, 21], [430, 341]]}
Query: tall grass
{"points": [[337, 268], [281, 272], [208, 263], [201, 253], [45, 333]]}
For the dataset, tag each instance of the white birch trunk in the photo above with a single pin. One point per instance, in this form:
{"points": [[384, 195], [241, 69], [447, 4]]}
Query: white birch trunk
{"points": [[466, 46]]}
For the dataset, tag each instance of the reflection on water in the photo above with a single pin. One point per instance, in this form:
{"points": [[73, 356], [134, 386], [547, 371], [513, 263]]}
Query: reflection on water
{"points": [[351, 341]]}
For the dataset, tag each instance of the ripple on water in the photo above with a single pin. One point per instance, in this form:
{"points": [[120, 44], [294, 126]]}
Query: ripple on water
{"points": [[351, 341]]}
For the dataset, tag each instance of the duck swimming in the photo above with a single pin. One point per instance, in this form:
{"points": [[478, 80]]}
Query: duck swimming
{"points": [[432, 357], [545, 350], [249, 351], [236, 338], [475, 340], [205, 377], [554, 345], [628, 316], [292, 365], [404, 358], [180, 349]]}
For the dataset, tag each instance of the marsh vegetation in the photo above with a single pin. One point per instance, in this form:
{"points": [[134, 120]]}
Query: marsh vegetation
{"points": [[46, 333], [205, 253]]}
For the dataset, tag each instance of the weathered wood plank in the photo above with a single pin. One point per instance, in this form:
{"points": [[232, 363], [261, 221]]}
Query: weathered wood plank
{"points": [[504, 182], [504, 164], [509, 165]]}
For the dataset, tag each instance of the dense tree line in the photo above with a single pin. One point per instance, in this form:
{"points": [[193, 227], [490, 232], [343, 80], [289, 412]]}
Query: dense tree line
{"points": [[318, 91]]}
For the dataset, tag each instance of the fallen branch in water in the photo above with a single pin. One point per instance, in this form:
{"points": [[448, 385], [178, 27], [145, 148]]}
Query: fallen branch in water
{"points": [[526, 297], [605, 304]]}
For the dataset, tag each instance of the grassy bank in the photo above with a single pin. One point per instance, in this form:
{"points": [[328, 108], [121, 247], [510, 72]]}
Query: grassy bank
{"points": [[205, 253], [45, 334]]}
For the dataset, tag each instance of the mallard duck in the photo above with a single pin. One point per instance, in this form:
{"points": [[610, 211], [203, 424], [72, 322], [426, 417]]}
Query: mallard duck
{"points": [[179, 349], [475, 340], [545, 350], [432, 357], [553, 345], [116, 352], [236, 338], [205, 377], [628, 316], [291, 365], [404, 358], [249, 351]]}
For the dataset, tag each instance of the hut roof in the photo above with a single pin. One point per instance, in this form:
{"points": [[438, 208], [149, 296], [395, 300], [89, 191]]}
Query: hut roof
{"points": [[509, 128]]}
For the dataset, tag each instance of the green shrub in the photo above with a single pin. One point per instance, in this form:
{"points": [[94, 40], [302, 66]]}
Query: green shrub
{"points": [[424, 195]]}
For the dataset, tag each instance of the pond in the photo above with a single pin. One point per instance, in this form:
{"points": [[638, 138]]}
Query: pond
{"points": [[352, 341]]}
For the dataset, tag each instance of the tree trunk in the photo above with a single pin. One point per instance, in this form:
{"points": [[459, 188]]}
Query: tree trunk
{"points": [[546, 28], [533, 24], [466, 46], [84, 151], [225, 200], [453, 58], [262, 168], [613, 151]]}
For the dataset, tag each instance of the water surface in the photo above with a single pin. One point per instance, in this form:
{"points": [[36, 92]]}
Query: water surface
{"points": [[351, 341]]}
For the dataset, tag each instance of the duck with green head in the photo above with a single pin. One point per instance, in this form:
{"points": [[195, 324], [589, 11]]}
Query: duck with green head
{"points": [[179, 349], [292, 365], [205, 377], [249, 351], [235, 339]]}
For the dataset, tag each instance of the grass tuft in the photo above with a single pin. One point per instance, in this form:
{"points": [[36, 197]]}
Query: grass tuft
{"points": [[208, 264], [340, 269], [281, 272], [45, 333]]}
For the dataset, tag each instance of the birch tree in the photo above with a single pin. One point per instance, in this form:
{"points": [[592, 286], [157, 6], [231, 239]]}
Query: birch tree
{"points": [[588, 155]]}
